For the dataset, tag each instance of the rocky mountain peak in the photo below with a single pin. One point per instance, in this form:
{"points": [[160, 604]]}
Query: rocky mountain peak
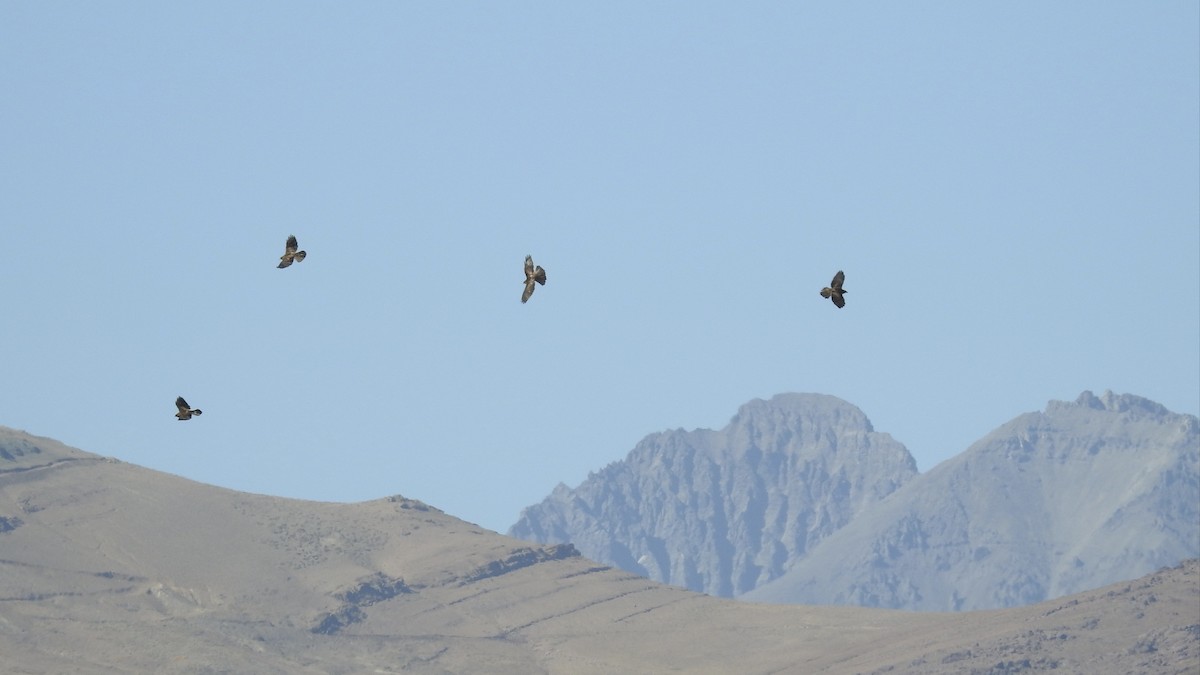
{"points": [[1113, 403], [792, 408], [723, 511]]}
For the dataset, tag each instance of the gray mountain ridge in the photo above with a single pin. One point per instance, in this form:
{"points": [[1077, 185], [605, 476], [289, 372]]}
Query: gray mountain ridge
{"points": [[722, 512], [1051, 503], [107, 567]]}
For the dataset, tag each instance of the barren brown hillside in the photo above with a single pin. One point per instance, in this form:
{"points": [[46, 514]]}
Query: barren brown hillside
{"points": [[107, 567]]}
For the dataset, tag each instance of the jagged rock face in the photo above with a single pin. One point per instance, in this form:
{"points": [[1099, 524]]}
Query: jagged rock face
{"points": [[1069, 499], [723, 512]]}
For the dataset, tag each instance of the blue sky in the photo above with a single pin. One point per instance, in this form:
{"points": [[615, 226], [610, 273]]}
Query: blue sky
{"points": [[1012, 188]]}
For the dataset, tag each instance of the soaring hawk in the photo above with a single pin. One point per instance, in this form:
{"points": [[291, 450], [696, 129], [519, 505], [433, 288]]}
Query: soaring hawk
{"points": [[185, 411], [532, 274], [834, 290], [290, 254]]}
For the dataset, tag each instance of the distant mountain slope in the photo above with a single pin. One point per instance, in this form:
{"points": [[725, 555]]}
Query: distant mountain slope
{"points": [[723, 512], [797, 501], [1051, 503], [107, 567]]}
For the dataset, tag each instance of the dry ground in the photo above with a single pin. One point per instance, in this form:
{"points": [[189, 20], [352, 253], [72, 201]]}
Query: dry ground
{"points": [[107, 567]]}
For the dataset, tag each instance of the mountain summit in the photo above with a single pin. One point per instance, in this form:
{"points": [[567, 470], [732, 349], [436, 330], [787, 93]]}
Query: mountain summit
{"points": [[724, 512]]}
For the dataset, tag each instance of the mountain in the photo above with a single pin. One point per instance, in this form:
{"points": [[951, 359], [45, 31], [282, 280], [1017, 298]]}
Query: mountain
{"points": [[107, 567], [724, 512], [1052, 503]]}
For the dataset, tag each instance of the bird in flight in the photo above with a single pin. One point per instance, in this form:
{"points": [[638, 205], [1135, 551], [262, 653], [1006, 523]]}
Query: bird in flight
{"points": [[834, 290], [290, 254], [185, 411], [532, 274]]}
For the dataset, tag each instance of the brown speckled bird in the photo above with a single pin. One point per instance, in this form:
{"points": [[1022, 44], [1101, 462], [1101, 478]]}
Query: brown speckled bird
{"points": [[834, 290], [290, 254], [185, 411], [532, 274]]}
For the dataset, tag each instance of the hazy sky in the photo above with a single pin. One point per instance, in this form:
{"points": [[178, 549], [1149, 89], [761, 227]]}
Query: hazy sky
{"points": [[1012, 188]]}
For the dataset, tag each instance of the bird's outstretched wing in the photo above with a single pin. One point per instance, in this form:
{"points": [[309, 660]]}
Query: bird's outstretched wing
{"points": [[528, 290], [181, 404], [839, 300], [528, 266], [838, 280], [292, 245]]}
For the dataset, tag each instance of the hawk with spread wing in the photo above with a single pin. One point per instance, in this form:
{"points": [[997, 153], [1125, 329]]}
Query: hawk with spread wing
{"points": [[185, 411], [834, 290], [532, 274], [290, 254]]}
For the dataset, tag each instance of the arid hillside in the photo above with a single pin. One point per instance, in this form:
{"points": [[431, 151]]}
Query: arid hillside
{"points": [[107, 567]]}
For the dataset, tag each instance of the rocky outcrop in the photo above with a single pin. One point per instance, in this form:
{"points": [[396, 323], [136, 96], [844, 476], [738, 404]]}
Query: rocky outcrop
{"points": [[11, 449], [379, 587], [366, 592], [21, 452], [520, 558], [724, 512]]}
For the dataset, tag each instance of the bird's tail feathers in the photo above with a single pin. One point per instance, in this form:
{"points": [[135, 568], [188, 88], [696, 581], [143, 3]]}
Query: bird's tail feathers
{"points": [[300, 256], [197, 411], [826, 292]]}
